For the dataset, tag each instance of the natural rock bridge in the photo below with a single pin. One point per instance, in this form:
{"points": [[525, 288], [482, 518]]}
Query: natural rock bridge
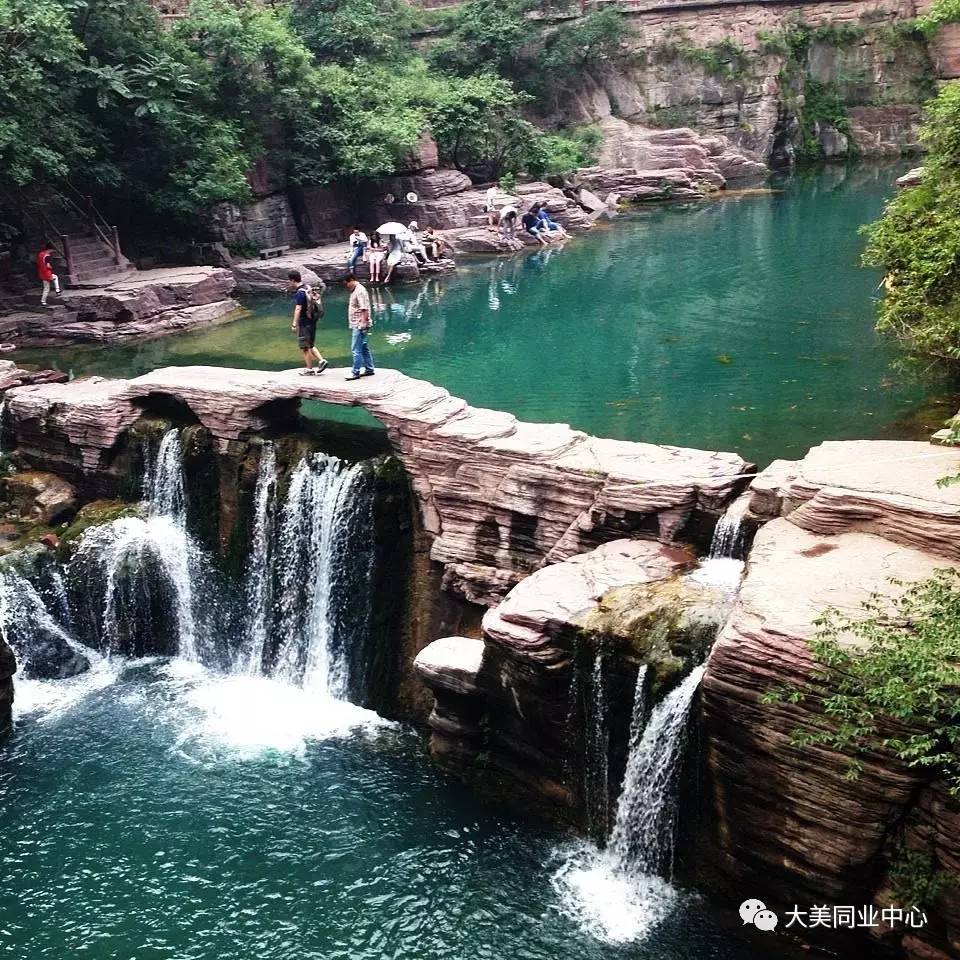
{"points": [[499, 497]]}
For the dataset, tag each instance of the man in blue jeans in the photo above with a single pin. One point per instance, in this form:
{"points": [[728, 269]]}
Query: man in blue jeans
{"points": [[358, 316], [358, 246]]}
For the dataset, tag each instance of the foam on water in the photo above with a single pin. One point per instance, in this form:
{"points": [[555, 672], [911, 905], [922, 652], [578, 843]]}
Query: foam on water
{"points": [[253, 715], [722, 573], [607, 902], [44, 700]]}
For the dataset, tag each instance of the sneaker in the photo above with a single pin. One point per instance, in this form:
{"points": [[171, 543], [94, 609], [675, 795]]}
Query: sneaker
{"points": [[368, 373], [353, 376], [321, 366], [307, 372]]}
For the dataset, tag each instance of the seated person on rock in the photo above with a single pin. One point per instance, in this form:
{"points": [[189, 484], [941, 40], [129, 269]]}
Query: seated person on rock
{"points": [[543, 214], [531, 224], [433, 243]]}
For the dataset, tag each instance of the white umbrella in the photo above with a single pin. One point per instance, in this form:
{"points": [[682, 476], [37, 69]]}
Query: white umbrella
{"points": [[391, 229]]}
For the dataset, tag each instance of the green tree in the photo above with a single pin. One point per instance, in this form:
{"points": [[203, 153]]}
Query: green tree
{"points": [[890, 680], [917, 242], [488, 35], [41, 138]]}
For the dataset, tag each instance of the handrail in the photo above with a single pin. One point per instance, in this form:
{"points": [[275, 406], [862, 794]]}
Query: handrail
{"points": [[106, 232], [47, 227]]}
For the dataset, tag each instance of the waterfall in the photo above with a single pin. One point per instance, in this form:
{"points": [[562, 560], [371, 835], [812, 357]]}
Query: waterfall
{"points": [[3, 419], [145, 570], [727, 540], [597, 758], [324, 561], [618, 893], [163, 484], [42, 647], [139, 575], [258, 580], [644, 832]]}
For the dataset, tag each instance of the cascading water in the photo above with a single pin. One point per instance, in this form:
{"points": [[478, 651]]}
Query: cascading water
{"points": [[644, 832], [597, 754], [42, 646], [163, 484], [324, 561], [728, 534], [619, 893], [137, 576], [145, 569], [258, 579]]}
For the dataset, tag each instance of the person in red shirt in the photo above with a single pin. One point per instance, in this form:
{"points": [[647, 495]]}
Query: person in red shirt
{"points": [[45, 272]]}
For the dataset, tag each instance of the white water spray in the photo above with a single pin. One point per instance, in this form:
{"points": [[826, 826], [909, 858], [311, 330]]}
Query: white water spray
{"points": [[318, 548], [145, 564], [258, 579], [619, 894]]}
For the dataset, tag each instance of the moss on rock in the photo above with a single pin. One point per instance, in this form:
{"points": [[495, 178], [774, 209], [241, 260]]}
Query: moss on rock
{"points": [[93, 515]]}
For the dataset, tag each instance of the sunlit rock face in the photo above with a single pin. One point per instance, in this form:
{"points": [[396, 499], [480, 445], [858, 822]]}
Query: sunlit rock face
{"points": [[537, 712], [849, 518], [498, 498]]}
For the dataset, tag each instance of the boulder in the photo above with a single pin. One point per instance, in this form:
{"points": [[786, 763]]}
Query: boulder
{"points": [[144, 304], [12, 376], [591, 201], [911, 178], [43, 498], [270, 276]]}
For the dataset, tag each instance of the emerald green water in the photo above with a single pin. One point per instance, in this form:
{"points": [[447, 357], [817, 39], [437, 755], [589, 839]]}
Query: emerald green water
{"points": [[739, 324], [157, 812]]}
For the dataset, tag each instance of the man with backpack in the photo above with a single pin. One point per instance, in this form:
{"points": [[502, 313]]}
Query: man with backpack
{"points": [[307, 311]]}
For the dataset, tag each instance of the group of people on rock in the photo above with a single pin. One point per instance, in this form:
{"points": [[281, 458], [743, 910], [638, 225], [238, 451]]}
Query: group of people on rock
{"points": [[389, 248], [377, 250], [536, 222]]}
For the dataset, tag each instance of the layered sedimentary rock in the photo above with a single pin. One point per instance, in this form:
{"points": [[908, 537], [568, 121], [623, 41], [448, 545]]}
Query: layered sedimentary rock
{"points": [[734, 69], [884, 487], [643, 164], [500, 498], [144, 304], [13, 376], [555, 675], [850, 518]]}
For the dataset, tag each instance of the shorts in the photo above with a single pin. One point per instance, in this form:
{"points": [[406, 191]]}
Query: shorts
{"points": [[306, 335]]}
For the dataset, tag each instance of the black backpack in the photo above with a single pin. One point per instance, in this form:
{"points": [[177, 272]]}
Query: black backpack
{"points": [[313, 310]]}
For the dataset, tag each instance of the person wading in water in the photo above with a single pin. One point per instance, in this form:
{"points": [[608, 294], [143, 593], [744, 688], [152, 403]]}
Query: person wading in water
{"points": [[307, 310]]}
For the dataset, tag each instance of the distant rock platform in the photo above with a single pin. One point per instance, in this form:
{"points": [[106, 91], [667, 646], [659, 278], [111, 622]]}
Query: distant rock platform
{"points": [[139, 305]]}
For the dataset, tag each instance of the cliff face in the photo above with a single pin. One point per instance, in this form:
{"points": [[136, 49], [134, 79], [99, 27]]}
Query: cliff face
{"points": [[784, 80], [854, 515], [537, 712]]}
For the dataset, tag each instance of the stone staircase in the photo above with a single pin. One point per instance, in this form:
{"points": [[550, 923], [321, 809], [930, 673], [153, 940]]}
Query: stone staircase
{"points": [[93, 262]]}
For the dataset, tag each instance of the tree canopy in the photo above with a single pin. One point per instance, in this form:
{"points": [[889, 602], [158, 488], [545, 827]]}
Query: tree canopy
{"points": [[172, 117], [917, 242]]}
